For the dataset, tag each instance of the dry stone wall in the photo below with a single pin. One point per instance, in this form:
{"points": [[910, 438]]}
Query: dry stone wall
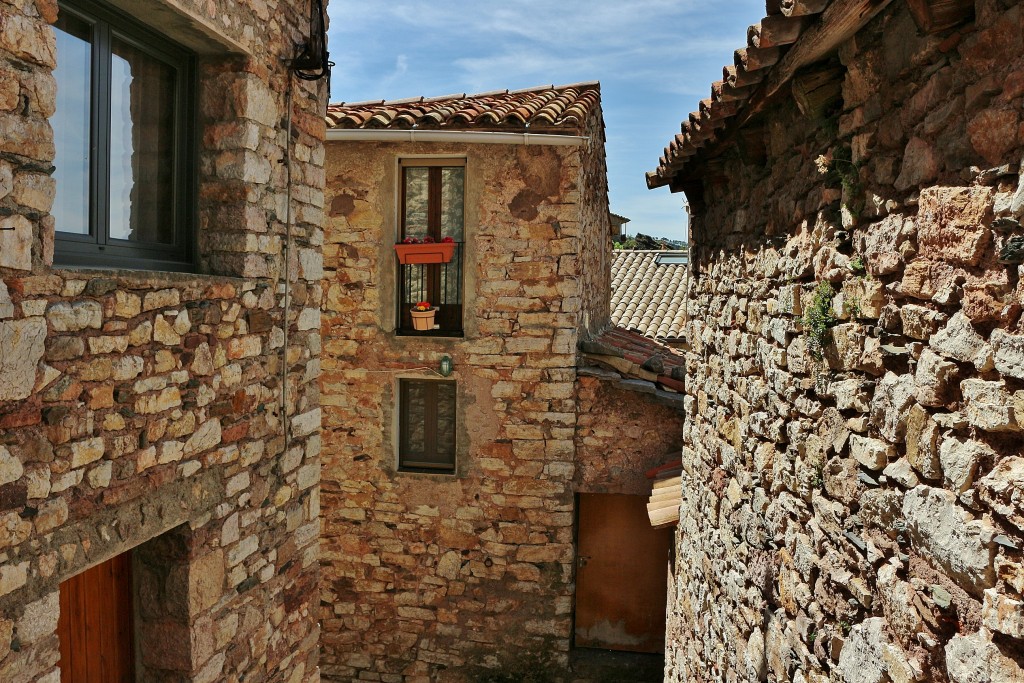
{"points": [[853, 482], [142, 410], [446, 577]]}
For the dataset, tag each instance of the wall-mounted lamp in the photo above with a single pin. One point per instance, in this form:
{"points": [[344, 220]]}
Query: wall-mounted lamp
{"points": [[446, 366]]}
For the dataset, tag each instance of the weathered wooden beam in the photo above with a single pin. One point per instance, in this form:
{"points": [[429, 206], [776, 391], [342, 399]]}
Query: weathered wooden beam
{"points": [[775, 31], [817, 90], [803, 8], [933, 16], [837, 24], [772, 7]]}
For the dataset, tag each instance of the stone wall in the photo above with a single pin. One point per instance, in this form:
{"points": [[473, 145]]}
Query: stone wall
{"points": [[442, 577], [143, 410], [859, 517], [620, 435]]}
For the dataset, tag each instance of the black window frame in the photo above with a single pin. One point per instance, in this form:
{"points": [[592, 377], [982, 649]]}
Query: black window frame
{"points": [[431, 403], [451, 314], [97, 249]]}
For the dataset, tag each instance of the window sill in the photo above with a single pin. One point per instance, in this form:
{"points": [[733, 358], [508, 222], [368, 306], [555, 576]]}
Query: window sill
{"points": [[141, 277]]}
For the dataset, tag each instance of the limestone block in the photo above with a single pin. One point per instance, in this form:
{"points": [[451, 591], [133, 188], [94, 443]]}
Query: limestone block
{"points": [[6, 305], [16, 243], [880, 256], [1003, 489], [1008, 352], [39, 619], [871, 453], [11, 468], [960, 461], [851, 394], [86, 451], [861, 658], [920, 322], [952, 223], [881, 509], [73, 317], [988, 406], [976, 659], [932, 378], [902, 473], [163, 332], [962, 546], [898, 598], [892, 400], [1002, 613], [926, 279], [847, 346], [960, 341], [920, 164], [863, 297], [23, 344]]}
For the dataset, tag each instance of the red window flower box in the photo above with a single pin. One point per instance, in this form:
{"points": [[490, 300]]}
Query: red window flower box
{"points": [[432, 252]]}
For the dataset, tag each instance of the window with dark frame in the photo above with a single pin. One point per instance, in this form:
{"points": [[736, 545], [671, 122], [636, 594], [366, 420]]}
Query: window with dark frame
{"points": [[426, 431], [433, 206], [123, 132]]}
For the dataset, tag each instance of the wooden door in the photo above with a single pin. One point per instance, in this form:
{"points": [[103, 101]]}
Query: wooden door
{"points": [[95, 626], [621, 575]]}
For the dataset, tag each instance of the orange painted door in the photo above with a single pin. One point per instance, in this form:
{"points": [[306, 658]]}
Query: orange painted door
{"points": [[95, 626], [621, 575]]}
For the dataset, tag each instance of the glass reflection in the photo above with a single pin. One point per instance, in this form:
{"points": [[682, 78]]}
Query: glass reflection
{"points": [[71, 124], [141, 146]]}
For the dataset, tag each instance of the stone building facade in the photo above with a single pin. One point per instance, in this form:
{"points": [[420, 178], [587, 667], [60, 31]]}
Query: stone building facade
{"points": [[853, 483], [435, 577], [142, 410]]}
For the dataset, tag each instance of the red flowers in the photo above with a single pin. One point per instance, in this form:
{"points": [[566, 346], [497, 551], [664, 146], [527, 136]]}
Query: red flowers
{"points": [[427, 239], [422, 306]]}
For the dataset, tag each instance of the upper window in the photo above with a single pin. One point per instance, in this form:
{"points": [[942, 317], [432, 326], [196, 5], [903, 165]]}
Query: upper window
{"points": [[432, 212], [426, 430], [122, 132]]}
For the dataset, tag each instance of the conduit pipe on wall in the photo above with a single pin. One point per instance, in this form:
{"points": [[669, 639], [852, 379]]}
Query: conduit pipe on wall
{"points": [[464, 136]]}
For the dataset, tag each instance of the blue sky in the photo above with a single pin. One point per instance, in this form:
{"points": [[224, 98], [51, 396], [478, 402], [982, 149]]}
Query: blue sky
{"points": [[655, 59]]}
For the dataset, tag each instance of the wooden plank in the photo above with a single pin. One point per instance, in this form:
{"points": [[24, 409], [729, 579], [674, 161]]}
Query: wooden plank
{"points": [[664, 517], [666, 483], [935, 16], [817, 90], [838, 23], [663, 501]]}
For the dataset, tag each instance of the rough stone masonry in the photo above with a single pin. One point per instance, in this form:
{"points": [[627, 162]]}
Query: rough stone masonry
{"points": [[859, 516], [141, 410]]}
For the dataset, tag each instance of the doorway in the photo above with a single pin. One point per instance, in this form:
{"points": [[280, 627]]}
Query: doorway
{"points": [[621, 575], [95, 626]]}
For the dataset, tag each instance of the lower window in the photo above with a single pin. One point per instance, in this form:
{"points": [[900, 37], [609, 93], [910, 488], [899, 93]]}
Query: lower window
{"points": [[426, 429]]}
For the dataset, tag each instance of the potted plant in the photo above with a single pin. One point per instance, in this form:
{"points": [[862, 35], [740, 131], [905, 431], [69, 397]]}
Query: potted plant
{"points": [[423, 316], [414, 251]]}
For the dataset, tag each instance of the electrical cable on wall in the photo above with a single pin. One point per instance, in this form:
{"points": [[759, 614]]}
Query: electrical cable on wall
{"points": [[313, 63], [310, 64]]}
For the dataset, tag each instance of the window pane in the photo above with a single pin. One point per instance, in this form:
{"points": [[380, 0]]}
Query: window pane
{"points": [[416, 418], [452, 198], [417, 183], [446, 422], [142, 108], [71, 124]]}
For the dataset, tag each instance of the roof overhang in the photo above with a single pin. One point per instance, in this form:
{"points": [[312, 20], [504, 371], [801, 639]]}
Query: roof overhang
{"points": [[458, 136], [798, 34]]}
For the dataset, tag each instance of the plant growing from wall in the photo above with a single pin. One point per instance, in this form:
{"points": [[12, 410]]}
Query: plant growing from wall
{"points": [[818, 320]]}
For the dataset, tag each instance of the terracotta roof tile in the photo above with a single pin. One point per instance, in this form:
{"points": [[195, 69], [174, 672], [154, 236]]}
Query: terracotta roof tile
{"points": [[647, 296], [790, 37], [546, 107]]}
